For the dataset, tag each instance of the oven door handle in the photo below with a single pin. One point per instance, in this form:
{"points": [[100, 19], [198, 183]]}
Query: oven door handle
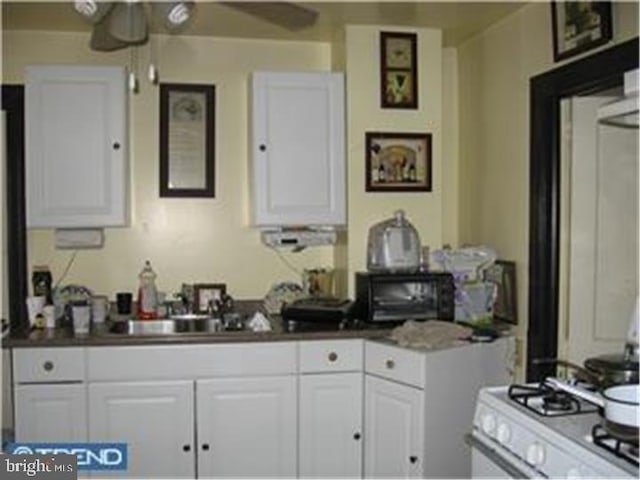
{"points": [[491, 454]]}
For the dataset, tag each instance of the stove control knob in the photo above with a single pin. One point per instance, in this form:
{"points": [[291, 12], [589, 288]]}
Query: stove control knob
{"points": [[535, 454], [489, 424], [504, 433]]}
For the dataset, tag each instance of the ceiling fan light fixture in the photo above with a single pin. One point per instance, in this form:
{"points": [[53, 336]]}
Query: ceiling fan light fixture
{"points": [[92, 10], [128, 22]]}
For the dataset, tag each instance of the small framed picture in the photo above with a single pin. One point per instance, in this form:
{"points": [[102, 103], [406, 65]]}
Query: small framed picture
{"points": [[398, 162], [503, 274], [398, 70], [579, 26], [204, 294], [187, 140]]}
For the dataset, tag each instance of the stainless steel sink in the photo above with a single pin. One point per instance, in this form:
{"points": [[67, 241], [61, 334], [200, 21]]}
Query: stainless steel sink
{"points": [[184, 323]]}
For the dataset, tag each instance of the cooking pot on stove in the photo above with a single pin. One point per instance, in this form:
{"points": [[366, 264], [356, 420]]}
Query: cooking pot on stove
{"points": [[613, 369], [619, 407]]}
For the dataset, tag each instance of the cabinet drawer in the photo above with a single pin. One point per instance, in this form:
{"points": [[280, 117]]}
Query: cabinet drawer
{"points": [[395, 363], [176, 362], [331, 356], [48, 364]]}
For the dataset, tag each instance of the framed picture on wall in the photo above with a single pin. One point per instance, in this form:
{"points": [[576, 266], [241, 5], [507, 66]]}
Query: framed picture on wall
{"points": [[503, 274], [579, 26], [398, 70], [187, 140], [398, 162]]}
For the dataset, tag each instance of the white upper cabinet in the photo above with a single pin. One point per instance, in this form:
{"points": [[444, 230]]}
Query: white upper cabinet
{"points": [[298, 149], [76, 146]]}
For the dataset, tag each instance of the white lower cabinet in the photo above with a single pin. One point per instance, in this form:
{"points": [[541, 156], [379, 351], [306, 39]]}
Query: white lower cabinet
{"points": [[247, 427], [393, 429], [50, 413], [154, 419], [331, 425]]}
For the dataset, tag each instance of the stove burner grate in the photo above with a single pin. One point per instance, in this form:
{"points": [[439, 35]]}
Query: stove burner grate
{"points": [[546, 400], [624, 449]]}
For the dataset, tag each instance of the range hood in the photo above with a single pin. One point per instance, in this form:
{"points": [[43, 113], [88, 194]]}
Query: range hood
{"points": [[624, 111]]}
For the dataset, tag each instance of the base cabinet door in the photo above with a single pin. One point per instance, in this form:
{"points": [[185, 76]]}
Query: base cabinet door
{"points": [[51, 413], [394, 420], [247, 427], [331, 425], [155, 419]]}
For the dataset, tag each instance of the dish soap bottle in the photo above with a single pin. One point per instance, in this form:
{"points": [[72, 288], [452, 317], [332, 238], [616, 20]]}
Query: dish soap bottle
{"points": [[147, 293]]}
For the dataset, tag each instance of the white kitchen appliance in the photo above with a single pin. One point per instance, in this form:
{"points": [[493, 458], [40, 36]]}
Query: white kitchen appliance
{"points": [[393, 245], [539, 431]]}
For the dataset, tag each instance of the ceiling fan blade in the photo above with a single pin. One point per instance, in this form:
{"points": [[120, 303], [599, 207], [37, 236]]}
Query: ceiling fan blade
{"points": [[288, 15]]}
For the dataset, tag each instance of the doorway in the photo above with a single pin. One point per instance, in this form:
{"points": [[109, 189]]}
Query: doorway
{"points": [[598, 230], [598, 72]]}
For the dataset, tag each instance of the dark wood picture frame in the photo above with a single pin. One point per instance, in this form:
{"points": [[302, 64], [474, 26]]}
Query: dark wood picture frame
{"points": [[203, 293], [398, 70], [505, 306], [579, 26], [187, 140], [398, 162]]}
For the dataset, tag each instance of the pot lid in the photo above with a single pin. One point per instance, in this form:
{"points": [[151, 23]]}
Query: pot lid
{"points": [[611, 362]]}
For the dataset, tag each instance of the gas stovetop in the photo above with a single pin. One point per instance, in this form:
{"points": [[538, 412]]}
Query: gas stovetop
{"points": [[555, 443]]}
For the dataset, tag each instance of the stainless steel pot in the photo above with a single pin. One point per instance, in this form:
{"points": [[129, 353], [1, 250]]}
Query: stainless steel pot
{"points": [[613, 369]]}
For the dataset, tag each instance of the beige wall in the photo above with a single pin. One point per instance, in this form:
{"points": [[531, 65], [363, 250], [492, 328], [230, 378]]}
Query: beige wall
{"points": [[187, 240], [364, 114], [494, 71]]}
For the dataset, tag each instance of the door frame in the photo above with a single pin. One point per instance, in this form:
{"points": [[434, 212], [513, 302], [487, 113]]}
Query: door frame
{"points": [[13, 104], [597, 72]]}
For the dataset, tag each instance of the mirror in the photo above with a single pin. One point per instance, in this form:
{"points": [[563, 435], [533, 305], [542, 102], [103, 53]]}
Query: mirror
{"points": [[601, 71], [187, 146]]}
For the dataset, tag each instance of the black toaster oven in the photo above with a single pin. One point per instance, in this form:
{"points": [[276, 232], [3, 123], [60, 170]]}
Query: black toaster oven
{"points": [[390, 297]]}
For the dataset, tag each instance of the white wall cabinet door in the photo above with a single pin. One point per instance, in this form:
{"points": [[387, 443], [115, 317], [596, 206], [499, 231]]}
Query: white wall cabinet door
{"points": [[331, 425], [247, 427], [155, 419], [394, 423], [50, 413], [76, 146], [298, 148]]}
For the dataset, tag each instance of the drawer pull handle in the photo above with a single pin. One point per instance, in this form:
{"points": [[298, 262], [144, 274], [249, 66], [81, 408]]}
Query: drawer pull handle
{"points": [[186, 448], [48, 366], [413, 459], [356, 436], [205, 446], [333, 356], [390, 364]]}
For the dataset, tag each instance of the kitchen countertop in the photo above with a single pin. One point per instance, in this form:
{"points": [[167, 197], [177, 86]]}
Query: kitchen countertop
{"points": [[100, 335]]}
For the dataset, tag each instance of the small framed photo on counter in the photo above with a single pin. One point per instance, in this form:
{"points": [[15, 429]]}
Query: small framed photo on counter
{"points": [[206, 293], [503, 274]]}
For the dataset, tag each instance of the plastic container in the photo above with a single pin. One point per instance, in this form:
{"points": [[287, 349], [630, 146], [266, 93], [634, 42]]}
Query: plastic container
{"points": [[147, 294]]}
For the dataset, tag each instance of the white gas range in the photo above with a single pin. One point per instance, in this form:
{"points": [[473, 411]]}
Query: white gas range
{"points": [[521, 432]]}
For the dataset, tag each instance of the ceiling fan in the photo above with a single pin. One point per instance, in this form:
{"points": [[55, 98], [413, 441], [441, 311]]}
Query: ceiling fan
{"points": [[121, 24]]}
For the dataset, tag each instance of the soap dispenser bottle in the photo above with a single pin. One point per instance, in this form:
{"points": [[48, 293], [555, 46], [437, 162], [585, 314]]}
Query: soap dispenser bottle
{"points": [[147, 293]]}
